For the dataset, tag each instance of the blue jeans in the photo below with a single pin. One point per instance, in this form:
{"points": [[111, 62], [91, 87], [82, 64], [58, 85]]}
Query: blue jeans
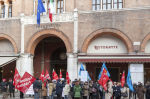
{"points": [[50, 97], [36, 95], [66, 97]]}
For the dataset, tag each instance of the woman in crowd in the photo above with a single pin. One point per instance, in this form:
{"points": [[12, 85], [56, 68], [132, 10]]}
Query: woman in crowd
{"points": [[66, 90], [109, 92], [85, 90], [77, 90], [140, 91], [51, 88], [44, 89], [125, 92]]}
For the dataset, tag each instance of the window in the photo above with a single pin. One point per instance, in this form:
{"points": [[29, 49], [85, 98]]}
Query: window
{"points": [[60, 6], [118, 4], [106, 4], [2, 11], [10, 9], [96, 4]]}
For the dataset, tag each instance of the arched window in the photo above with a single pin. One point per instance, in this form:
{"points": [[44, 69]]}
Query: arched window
{"points": [[106, 4]]}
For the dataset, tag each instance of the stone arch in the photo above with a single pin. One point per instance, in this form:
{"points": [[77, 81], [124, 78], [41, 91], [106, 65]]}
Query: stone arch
{"points": [[4, 36], [112, 32], [144, 42], [37, 37]]}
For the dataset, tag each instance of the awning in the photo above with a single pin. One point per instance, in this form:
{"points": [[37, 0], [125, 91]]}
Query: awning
{"points": [[114, 59], [6, 60]]}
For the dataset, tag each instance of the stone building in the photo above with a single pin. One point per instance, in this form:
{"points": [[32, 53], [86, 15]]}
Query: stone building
{"points": [[83, 31]]}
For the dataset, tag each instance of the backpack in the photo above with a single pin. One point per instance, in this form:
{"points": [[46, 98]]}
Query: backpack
{"points": [[94, 90]]}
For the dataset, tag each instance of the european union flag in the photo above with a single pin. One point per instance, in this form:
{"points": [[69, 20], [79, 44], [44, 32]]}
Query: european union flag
{"points": [[81, 69], [40, 9], [103, 66], [129, 81]]}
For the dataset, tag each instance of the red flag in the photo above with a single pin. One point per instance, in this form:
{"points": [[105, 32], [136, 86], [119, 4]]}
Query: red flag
{"points": [[42, 76], [55, 75], [60, 74], [16, 78], [104, 78], [67, 78], [47, 75], [25, 82], [123, 79]]}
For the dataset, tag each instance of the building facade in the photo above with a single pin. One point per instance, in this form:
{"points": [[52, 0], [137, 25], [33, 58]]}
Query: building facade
{"points": [[87, 32]]}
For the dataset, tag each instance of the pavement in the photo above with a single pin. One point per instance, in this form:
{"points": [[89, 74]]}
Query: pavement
{"points": [[17, 96]]}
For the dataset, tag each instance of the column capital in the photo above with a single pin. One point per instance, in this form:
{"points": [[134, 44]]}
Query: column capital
{"points": [[6, 2], [24, 55], [71, 55], [75, 14]]}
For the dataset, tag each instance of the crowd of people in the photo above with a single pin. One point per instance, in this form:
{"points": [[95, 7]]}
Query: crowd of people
{"points": [[61, 89]]}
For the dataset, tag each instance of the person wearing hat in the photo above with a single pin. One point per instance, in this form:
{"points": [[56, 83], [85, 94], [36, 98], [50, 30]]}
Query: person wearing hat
{"points": [[85, 90], [140, 91], [11, 88], [4, 88], [77, 90], [36, 87]]}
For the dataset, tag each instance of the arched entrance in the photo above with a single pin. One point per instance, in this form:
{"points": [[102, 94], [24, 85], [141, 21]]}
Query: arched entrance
{"points": [[49, 48], [8, 57], [102, 46]]}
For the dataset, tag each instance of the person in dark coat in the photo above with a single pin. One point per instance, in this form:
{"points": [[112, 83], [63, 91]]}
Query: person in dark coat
{"points": [[36, 87], [11, 88], [140, 91], [59, 89], [117, 91], [148, 90], [94, 91], [4, 88]]}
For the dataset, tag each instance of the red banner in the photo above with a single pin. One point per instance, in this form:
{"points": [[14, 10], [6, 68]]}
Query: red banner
{"points": [[55, 77], [67, 78], [60, 75], [25, 82], [42, 76], [123, 79], [47, 76], [16, 78], [103, 80]]}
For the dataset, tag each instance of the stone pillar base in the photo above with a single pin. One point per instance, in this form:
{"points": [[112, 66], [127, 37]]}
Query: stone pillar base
{"points": [[25, 64]]}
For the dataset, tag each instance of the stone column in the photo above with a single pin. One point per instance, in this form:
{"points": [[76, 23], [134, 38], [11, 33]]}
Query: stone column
{"points": [[72, 67], [75, 46], [137, 73], [34, 7], [22, 32], [25, 64], [6, 3]]}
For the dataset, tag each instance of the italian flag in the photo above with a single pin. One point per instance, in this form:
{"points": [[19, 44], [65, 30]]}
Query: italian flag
{"points": [[51, 9]]}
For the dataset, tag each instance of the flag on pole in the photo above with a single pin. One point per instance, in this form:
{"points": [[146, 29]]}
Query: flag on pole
{"points": [[40, 9], [60, 74], [89, 78], [81, 69], [103, 66], [42, 76], [67, 78], [51, 9], [54, 75], [104, 78], [123, 79], [17, 77], [129, 81], [47, 75]]}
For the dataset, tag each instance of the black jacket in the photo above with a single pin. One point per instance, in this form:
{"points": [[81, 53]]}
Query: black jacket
{"points": [[3, 86], [11, 87]]}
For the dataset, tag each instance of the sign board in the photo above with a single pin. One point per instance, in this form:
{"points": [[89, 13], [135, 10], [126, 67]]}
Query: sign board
{"points": [[107, 44], [30, 91], [84, 76]]}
